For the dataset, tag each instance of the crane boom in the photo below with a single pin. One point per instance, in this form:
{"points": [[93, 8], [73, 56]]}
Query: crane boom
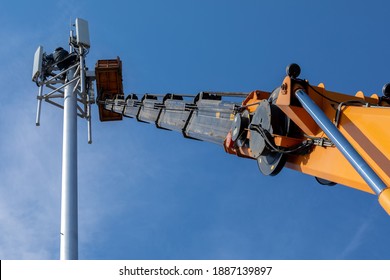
{"points": [[336, 138]]}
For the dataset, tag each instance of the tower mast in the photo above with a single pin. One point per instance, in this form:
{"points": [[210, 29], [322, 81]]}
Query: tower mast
{"points": [[65, 75]]}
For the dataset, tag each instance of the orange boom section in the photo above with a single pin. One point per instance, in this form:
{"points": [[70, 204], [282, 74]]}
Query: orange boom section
{"points": [[360, 119], [109, 85], [334, 137]]}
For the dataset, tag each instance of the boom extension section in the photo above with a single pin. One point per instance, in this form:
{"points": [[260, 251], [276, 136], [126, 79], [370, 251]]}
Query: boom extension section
{"points": [[336, 138]]}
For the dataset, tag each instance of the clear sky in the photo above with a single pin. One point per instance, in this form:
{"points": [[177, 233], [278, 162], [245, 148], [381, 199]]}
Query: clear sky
{"points": [[146, 193]]}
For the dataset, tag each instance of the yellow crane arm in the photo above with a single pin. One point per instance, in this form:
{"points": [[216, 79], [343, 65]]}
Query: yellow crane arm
{"points": [[335, 137]]}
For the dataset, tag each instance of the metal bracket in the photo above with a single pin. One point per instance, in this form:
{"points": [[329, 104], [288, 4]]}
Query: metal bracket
{"points": [[51, 77]]}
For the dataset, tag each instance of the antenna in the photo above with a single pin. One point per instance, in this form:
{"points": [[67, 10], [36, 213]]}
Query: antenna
{"points": [[63, 81], [82, 33]]}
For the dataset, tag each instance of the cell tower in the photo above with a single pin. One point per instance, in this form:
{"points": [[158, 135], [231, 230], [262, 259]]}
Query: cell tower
{"points": [[63, 81]]}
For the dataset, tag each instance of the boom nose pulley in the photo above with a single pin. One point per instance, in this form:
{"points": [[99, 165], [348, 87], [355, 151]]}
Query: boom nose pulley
{"points": [[267, 120]]}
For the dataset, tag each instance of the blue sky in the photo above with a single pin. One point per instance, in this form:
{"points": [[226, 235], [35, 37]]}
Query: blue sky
{"points": [[146, 193]]}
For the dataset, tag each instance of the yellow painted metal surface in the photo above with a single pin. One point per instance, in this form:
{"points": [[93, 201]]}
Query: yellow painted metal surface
{"points": [[252, 100], [367, 130], [384, 200], [364, 127], [364, 122]]}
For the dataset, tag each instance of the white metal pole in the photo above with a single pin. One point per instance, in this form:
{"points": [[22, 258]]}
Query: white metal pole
{"points": [[39, 106], [69, 208]]}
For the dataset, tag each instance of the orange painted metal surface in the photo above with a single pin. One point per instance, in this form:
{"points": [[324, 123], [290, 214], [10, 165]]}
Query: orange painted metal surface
{"points": [[362, 126], [252, 100], [384, 200], [365, 128]]}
